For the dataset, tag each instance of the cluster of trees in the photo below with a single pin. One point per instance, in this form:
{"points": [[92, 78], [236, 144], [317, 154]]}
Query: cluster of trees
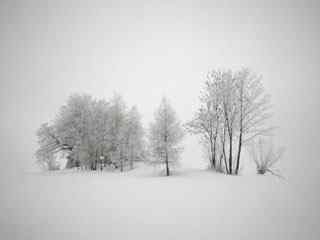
{"points": [[234, 110], [96, 132]]}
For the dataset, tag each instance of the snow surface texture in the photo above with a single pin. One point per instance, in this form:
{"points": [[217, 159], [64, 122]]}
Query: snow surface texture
{"points": [[143, 204]]}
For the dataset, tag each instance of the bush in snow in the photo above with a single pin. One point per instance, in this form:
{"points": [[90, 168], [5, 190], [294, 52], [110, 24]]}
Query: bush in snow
{"points": [[265, 156]]}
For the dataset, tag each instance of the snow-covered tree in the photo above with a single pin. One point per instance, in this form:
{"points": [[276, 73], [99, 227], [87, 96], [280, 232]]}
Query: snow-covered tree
{"points": [[48, 142], [93, 128], [234, 109], [100, 131], [215, 118], [207, 120], [117, 131], [165, 136], [227, 86], [73, 127], [134, 133], [253, 106]]}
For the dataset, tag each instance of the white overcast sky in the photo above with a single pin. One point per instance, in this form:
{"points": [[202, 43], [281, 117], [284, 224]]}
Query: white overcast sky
{"points": [[144, 50]]}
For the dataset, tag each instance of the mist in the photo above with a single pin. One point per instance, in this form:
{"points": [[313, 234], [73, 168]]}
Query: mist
{"points": [[144, 50]]}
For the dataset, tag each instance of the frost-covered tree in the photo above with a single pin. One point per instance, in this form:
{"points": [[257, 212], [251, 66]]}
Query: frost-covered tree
{"points": [[134, 142], [91, 129], [234, 109], [117, 131], [207, 120], [253, 106], [100, 131], [48, 142], [73, 127], [215, 119], [165, 136], [227, 86]]}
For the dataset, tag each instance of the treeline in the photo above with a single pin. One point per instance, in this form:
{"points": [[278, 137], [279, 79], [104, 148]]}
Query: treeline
{"points": [[233, 113]]}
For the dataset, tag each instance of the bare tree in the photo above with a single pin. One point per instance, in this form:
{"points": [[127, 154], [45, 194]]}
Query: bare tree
{"points": [[207, 120], [226, 85], [165, 136], [216, 116], [234, 109], [253, 109]]}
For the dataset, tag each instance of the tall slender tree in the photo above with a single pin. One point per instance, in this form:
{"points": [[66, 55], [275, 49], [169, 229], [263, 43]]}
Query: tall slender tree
{"points": [[165, 136], [253, 109], [133, 137], [117, 131]]}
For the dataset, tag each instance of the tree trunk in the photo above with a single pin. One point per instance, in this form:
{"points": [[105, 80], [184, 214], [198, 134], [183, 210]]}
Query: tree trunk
{"points": [[239, 152], [121, 162], [241, 129], [214, 151], [167, 165], [131, 158], [224, 150], [96, 161], [230, 154], [229, 127], [212, 160], [167, 158], [225, 160]]}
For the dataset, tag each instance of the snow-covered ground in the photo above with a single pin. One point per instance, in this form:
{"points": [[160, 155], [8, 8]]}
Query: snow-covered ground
{"points": [[141, 204]]}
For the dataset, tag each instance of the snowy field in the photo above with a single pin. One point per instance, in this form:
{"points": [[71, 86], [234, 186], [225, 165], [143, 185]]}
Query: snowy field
{"points": [[141, 204]]}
